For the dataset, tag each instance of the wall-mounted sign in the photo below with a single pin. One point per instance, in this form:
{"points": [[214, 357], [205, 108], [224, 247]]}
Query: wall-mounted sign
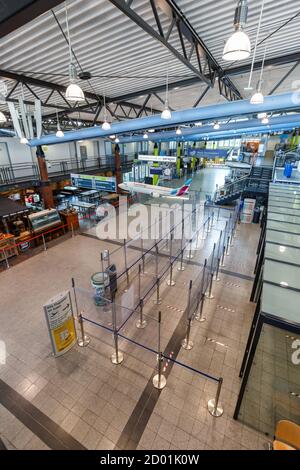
{"points": [[100, 183], [208, 153], [156, 171], [60, 321], [154, 158], [24, 246]]}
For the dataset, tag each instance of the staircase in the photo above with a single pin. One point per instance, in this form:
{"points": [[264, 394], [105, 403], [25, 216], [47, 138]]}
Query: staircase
{"points": [[256, 183]]}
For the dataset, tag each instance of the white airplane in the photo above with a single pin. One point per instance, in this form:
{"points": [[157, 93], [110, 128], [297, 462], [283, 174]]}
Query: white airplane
{"points": [[157, 191]]}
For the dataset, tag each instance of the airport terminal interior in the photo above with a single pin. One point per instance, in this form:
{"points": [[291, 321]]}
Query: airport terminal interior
{"points": [[149, 225]]}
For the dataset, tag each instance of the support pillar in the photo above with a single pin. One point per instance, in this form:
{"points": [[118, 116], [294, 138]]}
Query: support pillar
{"points": [[45, 185], [118, 169]]}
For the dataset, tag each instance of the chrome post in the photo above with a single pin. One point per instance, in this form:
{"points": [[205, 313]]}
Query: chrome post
{"points": [[72, 230], [84, 340], [199, 315], [190, 255], [216, 276], [116, 357], [157, 301], [141, 323], [208, 226], [44, 242], [126, 267], [6, 259], [159, 380], [228, 246], [143, 255], [139, 282], [181, 267], [214, 407], [171, 282], [186, 343], [102, 263]]}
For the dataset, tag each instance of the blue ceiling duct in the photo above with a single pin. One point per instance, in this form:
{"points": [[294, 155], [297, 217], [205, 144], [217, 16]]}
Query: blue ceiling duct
{"points": [[286, 101], [288, 122]]}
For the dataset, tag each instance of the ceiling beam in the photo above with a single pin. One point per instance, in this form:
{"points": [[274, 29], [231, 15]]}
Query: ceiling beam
{"points": [[238, 70], [25, 12], [193, 52]]}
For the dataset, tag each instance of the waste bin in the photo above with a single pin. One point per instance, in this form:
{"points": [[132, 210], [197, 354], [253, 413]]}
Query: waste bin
{"points": [[288, 169], [100, 281], [112, 274], [256, 215]]}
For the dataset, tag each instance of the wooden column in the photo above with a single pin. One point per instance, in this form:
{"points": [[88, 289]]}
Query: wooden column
{"points": [[118, 169], [45, 186]]}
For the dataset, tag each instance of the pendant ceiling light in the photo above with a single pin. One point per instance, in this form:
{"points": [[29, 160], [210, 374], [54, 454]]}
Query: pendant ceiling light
{"points": [[59, 132], [238, 46], [2, 118], [249, 86], [73, 92], [117, 140], [265, 120], [145, 136], [105, 126], [216, 126], [258, 97], [23, 140], [166, 114], [178, 131]]}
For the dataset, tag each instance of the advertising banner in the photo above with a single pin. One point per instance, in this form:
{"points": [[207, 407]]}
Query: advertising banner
{"points": [[60, 321], [208, 153], [160, 158], [100, 183]]}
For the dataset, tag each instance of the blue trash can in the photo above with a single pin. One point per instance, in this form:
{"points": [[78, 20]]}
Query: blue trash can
{"points": [[288, 169]]}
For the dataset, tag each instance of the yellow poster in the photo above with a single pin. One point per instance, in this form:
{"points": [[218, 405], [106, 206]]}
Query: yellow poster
{"points": [[60, 320]]}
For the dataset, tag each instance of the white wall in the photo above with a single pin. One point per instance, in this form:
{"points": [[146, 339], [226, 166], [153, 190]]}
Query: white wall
{"points": [[18, 153]]}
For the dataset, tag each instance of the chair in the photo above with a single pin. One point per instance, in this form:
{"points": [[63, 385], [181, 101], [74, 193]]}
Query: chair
{"points": [[287, 436]]}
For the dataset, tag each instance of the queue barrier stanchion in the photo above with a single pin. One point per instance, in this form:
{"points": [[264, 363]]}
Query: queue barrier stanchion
{"points": [[199, 315], [126, 266], [44, 242], [72, 230], [171, 281], [102, 262], [143, 255], [84, 340], [223, 257], [6, 259], [159, 380], [141, 323], [203, 236], [117, 356], [208, 229], [214, 406], [139, 281], [211, 274], [216, 275], [213, 219], [157, 301], [187, 343], [228, 246], [190, 254], [181, 267]]}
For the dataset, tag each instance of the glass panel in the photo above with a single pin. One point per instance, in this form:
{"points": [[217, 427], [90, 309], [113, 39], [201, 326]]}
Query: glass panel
{"points": [[273, 387]]}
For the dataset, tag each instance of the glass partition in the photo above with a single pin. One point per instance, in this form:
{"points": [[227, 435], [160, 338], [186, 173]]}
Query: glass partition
{"points": [[273, 388]]}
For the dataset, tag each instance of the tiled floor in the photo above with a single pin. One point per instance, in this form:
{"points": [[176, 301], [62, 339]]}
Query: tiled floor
{"points": [[99, 404]]}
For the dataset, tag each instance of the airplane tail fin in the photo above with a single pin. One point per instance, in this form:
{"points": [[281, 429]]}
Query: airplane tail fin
{"points": [[183, 190]]}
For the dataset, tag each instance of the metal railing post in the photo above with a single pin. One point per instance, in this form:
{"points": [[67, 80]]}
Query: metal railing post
{"points": [[143, 255], [6, 259], [116, 357], [159, 380], [141, 323], [228, 246], [187, 343], [214, 406], [126, 267], [199, 315], [44, 242], [170, 281], [84, 340], [216, 276]]}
